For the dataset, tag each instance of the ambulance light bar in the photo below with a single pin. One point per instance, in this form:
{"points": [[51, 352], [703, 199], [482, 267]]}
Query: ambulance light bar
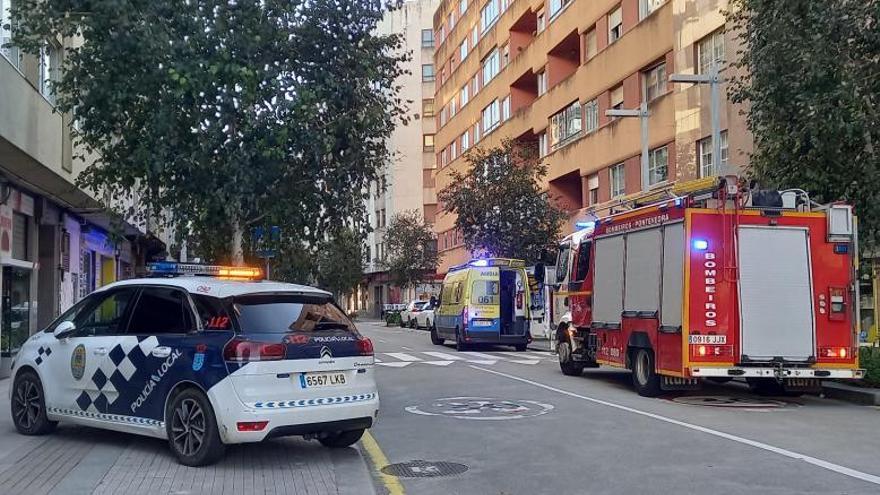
{"points": [[484, 262], [175, 269]]}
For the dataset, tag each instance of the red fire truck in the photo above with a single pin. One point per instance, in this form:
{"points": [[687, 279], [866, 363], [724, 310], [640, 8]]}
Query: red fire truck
{"points": [[712, 280]]}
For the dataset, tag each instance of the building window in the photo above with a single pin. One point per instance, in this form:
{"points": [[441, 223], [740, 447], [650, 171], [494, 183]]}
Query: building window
{"points": [[591, 115], [707, 164], [648, 6], [465, 141], [50, 70], [710, 51], [11, 52], [441, 33], [505, 55], [462, 7], [20, 237], [427, 142], [505, 108], [491, 117], [590, 46], [451, 21], [618, 180], [428, 107], [443, 158], [655, 82], [453, 150], [464, 95], [542, 144], [566, 125], [488, 15], [556, 6], [615, 25], [491, 66], [475, 85], [463, 50], [475, 37], [427, 38], [617, 99], [542, 82], [542, 22], [427, 72], [452, 107], [593, 188], [477, 133], [658, 161]]}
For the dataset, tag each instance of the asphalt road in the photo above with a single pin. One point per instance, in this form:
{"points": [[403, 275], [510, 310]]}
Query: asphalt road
{"points": [[521, 427]]}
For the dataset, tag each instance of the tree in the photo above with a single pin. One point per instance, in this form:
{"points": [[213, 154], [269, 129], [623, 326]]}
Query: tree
{"points": [[225, 113], [808, 74], [501, 210], [340, 262], [411, 250]]}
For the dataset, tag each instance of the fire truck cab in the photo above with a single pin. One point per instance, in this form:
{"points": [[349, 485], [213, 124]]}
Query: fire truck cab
{"points": [[712, 280]]}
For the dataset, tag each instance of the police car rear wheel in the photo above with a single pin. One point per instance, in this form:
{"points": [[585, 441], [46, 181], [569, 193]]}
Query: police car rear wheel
{"points": [[341, 439], [192, 429], [29, 406]]}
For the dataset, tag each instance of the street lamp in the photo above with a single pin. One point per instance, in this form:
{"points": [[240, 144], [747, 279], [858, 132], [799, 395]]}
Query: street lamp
{"points": [[642, 114], [714, 80]]}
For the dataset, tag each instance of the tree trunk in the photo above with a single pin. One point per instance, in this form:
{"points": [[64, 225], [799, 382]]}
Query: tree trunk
{"points": [[236, 244]]}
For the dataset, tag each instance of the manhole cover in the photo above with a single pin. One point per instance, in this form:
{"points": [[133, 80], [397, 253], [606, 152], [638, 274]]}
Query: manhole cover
{"points": [[731, 402], [424, 469], [482, 408]]}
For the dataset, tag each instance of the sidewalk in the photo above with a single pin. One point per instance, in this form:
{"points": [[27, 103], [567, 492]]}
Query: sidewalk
{"points": [[77, 460]]}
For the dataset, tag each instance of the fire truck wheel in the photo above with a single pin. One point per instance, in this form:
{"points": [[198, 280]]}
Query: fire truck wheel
{"points": [[645, 378], [436, 339], [568, 367], [770, 387]]}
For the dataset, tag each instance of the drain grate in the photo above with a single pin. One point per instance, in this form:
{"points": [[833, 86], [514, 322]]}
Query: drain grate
{"points": [[424, 469], [731, 402]]}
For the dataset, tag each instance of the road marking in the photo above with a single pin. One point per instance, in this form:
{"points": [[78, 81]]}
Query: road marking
{"points": [[443, 355], [376, 360], [438, 363], [402, 356], [837, 468], [405, 347], [542, 355], [525, 361], [481, 355], [396, 364], [379, 460], [486, 363]]}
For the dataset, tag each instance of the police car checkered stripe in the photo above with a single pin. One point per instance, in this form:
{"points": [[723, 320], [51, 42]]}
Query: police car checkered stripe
{"points": [[115, 418], [282, 404]]}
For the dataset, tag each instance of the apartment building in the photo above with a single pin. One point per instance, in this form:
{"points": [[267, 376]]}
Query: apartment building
{"points": [[408, 181], [545, 72], [55, 239]]}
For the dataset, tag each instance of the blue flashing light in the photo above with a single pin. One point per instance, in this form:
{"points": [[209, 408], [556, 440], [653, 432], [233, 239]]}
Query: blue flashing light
{"points": [[678, 202], [701, 245], [585, 225], [480, 263], [163, 267]]}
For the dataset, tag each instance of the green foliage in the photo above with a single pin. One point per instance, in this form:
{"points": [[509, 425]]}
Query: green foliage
{"points": [[392, 319], [411, 250], [808, 74], [500, 206], [340, 265], [227, 114], [869, 359]]}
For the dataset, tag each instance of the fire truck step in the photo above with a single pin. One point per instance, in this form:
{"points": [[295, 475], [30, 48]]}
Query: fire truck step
{"points": [[802, 385], [679, 383]]}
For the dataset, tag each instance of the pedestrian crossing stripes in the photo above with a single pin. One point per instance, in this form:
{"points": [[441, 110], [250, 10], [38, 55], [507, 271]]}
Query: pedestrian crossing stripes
{"points": [[443, 359]]}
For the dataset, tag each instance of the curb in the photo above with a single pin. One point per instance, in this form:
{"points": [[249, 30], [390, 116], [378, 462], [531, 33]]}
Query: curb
{"points": [[849, 393]]}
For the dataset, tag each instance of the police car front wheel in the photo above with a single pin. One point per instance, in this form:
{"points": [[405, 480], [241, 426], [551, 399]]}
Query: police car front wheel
{"points": [[341, 439], [192, 429], [29, 406]]}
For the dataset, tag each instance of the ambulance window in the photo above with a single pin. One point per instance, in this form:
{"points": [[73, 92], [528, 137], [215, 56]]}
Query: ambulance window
{"points": [[562, 262], [583, 261], [457, 291]]}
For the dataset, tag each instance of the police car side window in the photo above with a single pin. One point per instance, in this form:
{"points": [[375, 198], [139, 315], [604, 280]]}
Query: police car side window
{"points": [[213, 312], [161, 310], [106, 314]]}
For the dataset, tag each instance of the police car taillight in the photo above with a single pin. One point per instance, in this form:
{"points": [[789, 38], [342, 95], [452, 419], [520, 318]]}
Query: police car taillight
{"points": [[242, 351], [365, 346]]}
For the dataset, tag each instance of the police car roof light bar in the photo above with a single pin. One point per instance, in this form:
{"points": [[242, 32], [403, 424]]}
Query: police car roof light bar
{"points": [[175, 269]]}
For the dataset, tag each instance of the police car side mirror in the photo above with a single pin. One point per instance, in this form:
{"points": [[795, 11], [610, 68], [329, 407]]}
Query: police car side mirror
{"points": [[64, 330]]}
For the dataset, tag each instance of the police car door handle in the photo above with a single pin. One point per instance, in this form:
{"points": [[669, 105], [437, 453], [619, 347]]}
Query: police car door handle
{"points": [[100, 351], [161, 352]]}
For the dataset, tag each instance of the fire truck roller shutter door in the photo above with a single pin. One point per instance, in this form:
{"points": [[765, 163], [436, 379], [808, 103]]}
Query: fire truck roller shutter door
{"points": [[673, 276], [608, 290], [642, 285]]}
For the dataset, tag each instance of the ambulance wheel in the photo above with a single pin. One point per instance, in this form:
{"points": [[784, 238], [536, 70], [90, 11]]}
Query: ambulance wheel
{"points": [[341, 439], [645, 378], [568, 367], [192, 429], [459, 344], [29, 406], [436, 339]]}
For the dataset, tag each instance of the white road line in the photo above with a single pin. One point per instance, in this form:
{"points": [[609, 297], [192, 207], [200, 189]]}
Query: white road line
{"points": [[837, 468], [525, 361], [406, 348], [376, 360], [438, 363], [543, 355], [443, 355], [402, 356], [481, 355], [396, 364], [477, 361]]}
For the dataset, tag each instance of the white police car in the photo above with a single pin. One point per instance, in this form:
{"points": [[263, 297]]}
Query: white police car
{"points": [[201, 361]]}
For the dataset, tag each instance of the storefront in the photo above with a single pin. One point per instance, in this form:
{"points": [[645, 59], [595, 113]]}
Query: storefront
{"points": [[18, 304]]}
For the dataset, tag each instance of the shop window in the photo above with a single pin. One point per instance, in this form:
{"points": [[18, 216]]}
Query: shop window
{"points": [[20, 237]]}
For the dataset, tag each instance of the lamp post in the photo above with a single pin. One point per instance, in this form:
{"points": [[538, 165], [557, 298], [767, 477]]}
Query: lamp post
{"points": [[642, 114], [714, 80]]}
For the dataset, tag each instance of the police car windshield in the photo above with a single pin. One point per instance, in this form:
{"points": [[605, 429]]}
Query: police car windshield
{"points": [[289, 313]]}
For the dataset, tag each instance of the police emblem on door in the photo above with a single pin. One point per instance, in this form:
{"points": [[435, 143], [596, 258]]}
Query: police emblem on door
{"points": [[78, 361]]}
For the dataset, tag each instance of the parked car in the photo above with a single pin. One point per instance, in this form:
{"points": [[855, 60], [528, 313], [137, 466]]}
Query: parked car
{"points": [[425, 317], [407, 316]]}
